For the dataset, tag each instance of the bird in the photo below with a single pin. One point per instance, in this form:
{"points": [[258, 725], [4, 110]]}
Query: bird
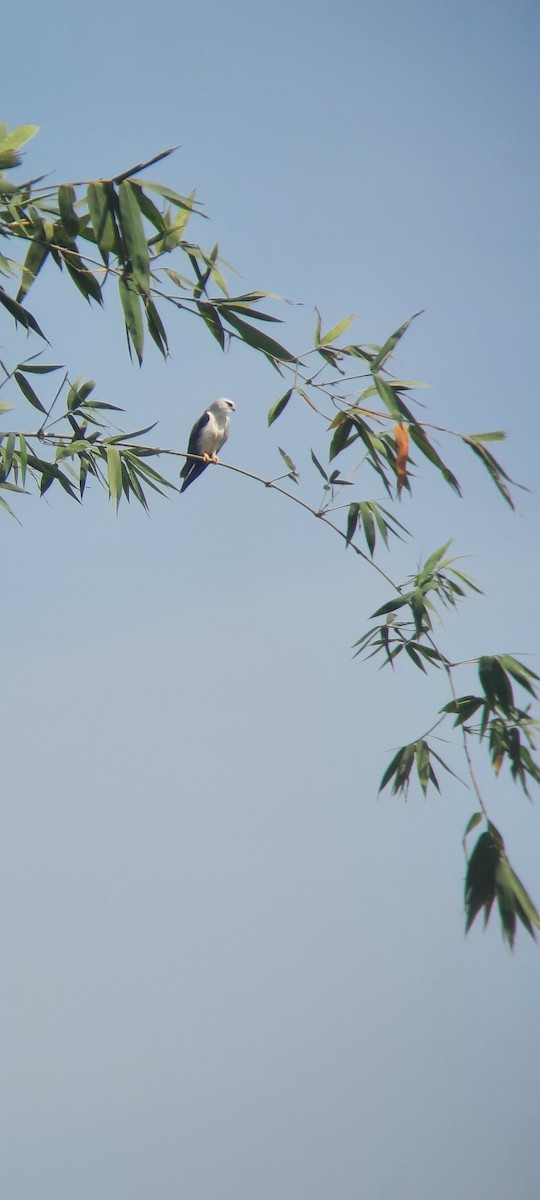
{"points": [[208, 435]]}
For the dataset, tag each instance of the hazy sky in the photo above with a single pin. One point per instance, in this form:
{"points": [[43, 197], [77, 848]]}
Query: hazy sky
{"points": [[231, 972]]}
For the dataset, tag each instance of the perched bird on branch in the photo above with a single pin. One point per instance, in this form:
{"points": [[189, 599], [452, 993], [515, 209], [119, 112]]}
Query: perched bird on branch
{"points": [[207, 437]]}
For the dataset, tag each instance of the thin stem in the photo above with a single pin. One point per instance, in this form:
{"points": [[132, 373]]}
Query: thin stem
{"points": [[464, 736]]}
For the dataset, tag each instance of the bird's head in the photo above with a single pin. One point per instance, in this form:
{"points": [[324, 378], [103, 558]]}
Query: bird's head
{"points": [[224, 405]]}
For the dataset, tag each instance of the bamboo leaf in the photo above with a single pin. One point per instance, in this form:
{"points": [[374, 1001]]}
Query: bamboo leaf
{"points": [[475, 820], [114, 474], [522, 674], [21, 315], [320, 469], [210, 315], [480, 876], [336, 331], [186, 202], [317, 337], [368, 523], [342, 437], [19, 136], [257, 339], [35, 257], [352, 521], [392, 606], [131, 305], [133, 234], [388, 397], [422, 442], [289, 464], [494, 469], [391, 343], [495, 683], [279, 406], [83, 279], [493, 435], [69, 218], [148, 208], [102, 205], [156, 327], [432, 561], [422, 763], [28, 392]]}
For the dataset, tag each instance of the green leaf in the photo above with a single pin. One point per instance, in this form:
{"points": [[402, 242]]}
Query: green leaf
{"points": [[114, 474], [392, 606], [317, 337], [78, 393], [23, 457], [475, 820], [257, 339], [173, 198], [432, 561], [133, 234], [495, 683], [513, 901], [411, 649], [320, 469], [422, 442], [422, 764], [35, 257], [66, 201], [9, 145], [342, 438], [524, 907], [493, 435], [391, 343], [131, 304], [38, 369], [210, 316], [28, 392], [20, 314], [336, 331], [19, 136], [464, 706], [388, 397], [352, 521], [148, 208], [289, 464], [369, 525], [400, 767], [8, 454], [83, 279], [520, 672], [494, 469], [156, 327], [480, 876], [245, 308], [102, 206], [279, 406], [7, 508]]}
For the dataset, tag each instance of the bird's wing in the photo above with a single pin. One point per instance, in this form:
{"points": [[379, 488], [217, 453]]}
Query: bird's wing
{"points": [[195, 446]]}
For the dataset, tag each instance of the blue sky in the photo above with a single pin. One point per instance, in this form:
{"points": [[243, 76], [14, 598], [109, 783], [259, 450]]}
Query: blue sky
{"points": [[232, 971]]}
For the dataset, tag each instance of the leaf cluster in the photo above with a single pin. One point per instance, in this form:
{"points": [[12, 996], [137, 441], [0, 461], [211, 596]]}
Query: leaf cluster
{"points": [[509, 730], [409, 618], [122, 229], [490, 877]]}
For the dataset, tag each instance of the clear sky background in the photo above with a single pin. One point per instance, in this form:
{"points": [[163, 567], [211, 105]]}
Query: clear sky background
{"points": [[231, 972]]}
